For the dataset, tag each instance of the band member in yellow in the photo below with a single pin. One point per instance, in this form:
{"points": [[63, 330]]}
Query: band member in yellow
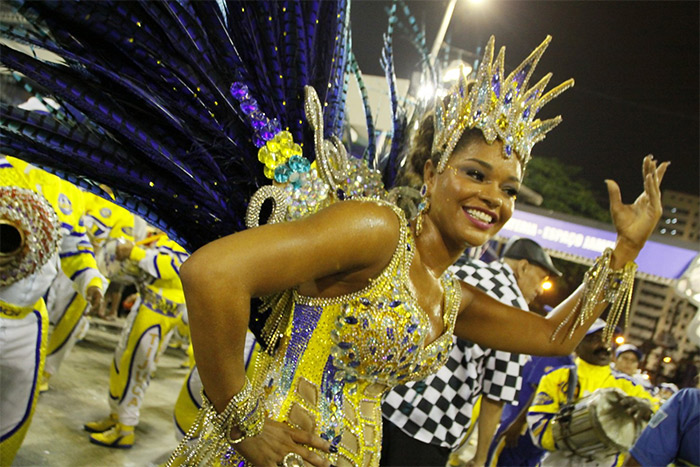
{"points": [[38, 241], [66, 307], [153, 315], [590, 373]]}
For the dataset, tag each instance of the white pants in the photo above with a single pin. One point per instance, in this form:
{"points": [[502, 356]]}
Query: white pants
{"points": [[66, 308], [22, 352]]}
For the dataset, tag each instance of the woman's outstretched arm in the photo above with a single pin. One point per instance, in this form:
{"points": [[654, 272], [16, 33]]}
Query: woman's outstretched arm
{"points": [[492, 324]]}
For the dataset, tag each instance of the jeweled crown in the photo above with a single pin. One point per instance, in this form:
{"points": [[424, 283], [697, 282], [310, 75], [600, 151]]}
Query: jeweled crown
{"points": [[499, 107]]}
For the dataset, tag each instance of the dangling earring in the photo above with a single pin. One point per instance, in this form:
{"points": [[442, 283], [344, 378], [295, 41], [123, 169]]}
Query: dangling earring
{"points": [[423, 207]]}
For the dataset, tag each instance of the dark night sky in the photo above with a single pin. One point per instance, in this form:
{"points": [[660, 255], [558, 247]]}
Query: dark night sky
{"points": [[635, 64]]}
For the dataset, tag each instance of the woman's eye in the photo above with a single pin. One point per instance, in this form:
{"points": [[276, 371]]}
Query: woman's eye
{"points": [[475, 174], [512, 192]]}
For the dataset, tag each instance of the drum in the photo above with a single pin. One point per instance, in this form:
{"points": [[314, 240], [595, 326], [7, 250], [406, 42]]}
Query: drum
{"points": [[125, 272], [596, 426]]}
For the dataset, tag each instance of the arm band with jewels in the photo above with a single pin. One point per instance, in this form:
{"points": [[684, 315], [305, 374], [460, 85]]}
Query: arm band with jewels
{"points": [[244, 411], [616, 287]]}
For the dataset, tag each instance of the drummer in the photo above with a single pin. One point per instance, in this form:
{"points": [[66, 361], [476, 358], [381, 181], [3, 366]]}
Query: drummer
{"points": [[593, 371]]}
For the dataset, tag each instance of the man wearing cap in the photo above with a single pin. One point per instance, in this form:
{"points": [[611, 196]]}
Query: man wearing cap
{"points": [[627, 360], [425, 421], [591, 372]]}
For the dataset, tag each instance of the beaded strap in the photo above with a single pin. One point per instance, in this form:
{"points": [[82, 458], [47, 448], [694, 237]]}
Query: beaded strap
{"points": [[616, 287], [244, 411]]}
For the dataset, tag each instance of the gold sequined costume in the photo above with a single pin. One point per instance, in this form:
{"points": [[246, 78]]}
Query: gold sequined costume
{"points": [[339, 355]]}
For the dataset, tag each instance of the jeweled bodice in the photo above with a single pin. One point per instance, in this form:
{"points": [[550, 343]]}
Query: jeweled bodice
{"points": [[339, 355]]}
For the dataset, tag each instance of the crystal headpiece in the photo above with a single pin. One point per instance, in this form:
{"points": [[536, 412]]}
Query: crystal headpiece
{"points": [[499, 107]]}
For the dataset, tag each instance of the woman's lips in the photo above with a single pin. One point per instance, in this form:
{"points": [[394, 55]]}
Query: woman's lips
{"points": [[481, 219]]}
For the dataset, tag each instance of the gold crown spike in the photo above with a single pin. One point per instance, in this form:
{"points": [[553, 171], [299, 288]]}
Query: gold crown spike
{"points": [[500, 108]]}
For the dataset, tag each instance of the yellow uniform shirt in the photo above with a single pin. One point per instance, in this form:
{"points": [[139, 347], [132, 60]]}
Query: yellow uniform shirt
{"points": [[162, 262], [550, 395], [104, 219]]}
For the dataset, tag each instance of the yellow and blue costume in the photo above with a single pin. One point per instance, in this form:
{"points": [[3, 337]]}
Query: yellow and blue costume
{"points": [[104, 219], [25, 319], [65, 302], [551, 395], [161, 301]]}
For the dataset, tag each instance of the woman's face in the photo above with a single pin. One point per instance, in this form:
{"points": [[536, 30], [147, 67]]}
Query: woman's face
{"points": [[474, 196]]}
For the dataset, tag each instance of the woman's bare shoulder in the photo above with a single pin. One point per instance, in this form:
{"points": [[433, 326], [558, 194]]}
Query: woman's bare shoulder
{"points": [[373, 227]]}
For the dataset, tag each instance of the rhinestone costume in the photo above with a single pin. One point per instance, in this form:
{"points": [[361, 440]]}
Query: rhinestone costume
{"points": [[339, 355]]}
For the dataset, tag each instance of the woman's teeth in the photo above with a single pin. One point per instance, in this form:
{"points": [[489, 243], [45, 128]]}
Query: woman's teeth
{"points": [[480, 215]]}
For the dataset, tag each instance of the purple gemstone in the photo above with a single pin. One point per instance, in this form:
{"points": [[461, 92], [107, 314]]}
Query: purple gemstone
{"points": [[496, 85], [526, 112], [509, 97], [509, 150], [239, 90], [341, 194], [249, 106], [520, 77], [351, 320], [275, 125], [258, 141], [266, 134], [365, 301], [395, 303], [258, 120], [344, 345]]}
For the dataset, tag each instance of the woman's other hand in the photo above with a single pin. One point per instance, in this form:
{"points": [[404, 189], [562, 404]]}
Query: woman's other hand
{"points": [[635, 222], [277, 440]]}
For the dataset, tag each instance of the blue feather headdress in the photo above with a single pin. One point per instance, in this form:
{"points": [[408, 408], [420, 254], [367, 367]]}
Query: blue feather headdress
{"points": [[171, 102]]}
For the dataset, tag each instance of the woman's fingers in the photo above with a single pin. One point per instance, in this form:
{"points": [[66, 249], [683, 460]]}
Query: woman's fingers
{"points": [[661, 171], [309, 439], [314, 459], [304, 438], [613, 194]]}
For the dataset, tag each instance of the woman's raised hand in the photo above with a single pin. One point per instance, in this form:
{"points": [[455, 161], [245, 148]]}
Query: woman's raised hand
{"points": [[635, 222], [280, 444]]}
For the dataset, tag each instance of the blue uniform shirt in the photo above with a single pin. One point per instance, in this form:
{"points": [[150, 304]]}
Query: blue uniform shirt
{"points": [[673, 433]]}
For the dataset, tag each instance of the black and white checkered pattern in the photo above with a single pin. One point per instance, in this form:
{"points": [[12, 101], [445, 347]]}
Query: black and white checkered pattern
{"points": [[437, 410]]}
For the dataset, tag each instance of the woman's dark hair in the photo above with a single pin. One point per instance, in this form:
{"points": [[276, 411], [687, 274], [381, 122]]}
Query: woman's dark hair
{"points": [[422, 149]]}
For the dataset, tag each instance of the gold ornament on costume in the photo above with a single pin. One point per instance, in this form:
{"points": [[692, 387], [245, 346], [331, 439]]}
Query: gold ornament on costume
{"points": [[500, 107], [38, 228], [331, 155]]}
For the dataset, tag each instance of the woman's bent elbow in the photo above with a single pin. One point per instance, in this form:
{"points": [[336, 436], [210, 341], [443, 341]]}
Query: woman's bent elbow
{"points": [[190, 271]]}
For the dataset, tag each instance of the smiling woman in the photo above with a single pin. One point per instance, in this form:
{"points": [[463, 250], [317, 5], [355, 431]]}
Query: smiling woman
{"points": [[356, 297], [360, 320]]}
